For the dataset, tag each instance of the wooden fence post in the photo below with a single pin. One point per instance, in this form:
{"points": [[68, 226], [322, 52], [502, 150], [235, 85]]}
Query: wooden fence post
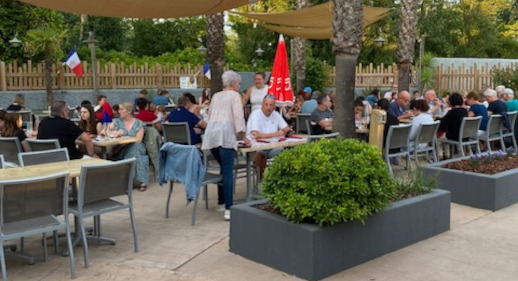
{"points": [[476, 76], [3, 74], [61, 76], [159, 74], [438, 78], [113, 75]]}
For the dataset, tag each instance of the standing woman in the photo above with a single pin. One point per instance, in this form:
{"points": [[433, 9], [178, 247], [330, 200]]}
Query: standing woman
{"points": [[128, 125], [226, 119], [256, 93], [13, 128], [88, 122]]}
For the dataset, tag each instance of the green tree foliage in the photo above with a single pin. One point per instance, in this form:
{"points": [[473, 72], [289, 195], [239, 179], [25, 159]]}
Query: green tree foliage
{"points": [[111, 33]]}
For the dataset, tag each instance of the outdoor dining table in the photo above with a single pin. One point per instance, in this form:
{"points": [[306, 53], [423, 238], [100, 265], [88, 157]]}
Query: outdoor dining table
{"points": [[107, 143], [261, 146]]}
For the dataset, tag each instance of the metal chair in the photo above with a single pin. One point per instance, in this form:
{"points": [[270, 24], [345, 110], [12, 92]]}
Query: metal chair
{"points": [[31, 206], [468, 134], [494, 131], [312, 138], [397, 139], [1, 161], [300, 121], [177, 132], [98, 183], [309, 127], [39, 145], [510, 132], [426, 134], [42, 157], [10, 147]]}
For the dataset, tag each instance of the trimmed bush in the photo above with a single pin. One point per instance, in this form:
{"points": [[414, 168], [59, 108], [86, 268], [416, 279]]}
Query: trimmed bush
{"points": [[328, 182]]}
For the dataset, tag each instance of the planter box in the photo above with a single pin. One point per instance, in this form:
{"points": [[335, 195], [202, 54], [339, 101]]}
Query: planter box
{"points": [[491, 192], [312, 252]]}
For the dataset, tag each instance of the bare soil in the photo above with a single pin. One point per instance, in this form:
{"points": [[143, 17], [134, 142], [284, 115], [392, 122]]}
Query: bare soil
{"points": [[490, 167]]}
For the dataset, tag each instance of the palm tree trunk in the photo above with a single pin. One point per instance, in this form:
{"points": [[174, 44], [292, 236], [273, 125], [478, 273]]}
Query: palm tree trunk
{"points": [[48, 76], [406, 42], [300, 53], [215, 50], [347, 34]]}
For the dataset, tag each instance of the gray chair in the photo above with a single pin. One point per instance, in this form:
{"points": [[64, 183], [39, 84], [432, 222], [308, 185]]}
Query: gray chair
{"points": [[1, 161], [312, 138], [43, 157], [10, 147], [31, 206], [309, 127], [397, 144], [426, 134], [39, 145], [494, 131], [511, 115], [300, 121], [98, 183], [177, 132], [468, 134]]}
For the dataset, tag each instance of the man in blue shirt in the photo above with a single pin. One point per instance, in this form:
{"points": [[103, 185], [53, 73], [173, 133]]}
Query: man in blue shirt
{"points": [[160, 99], [181, 114], [397, 108]]}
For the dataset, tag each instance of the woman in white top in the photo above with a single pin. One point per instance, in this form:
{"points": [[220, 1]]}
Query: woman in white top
{"points": [[257, 92], [226, 119], [420, 109]]}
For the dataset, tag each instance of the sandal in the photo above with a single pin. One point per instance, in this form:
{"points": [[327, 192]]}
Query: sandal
{"points": [[143, 187]]}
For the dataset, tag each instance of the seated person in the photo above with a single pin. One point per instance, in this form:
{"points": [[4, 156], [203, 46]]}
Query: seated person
{"points": [[322, 116], [476, 108], [18, 103], [141, 95], [450, 124], [103, 107], [190, 104], [144, 114], [160, 99], [263, 124], [181, 114], [12, 127], [57, 126], [420, 109]]}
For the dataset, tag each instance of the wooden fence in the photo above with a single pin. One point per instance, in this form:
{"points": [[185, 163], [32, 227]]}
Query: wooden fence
{"points": [[29, 76]]}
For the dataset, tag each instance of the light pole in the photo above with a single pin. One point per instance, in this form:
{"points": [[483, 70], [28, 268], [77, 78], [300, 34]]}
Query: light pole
{"points": [[91, 45], [15, 42], [378, 42], [258, 52], [421, 54]]}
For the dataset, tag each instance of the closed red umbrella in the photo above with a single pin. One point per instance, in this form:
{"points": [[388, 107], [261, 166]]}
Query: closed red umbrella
{"points": [[280, 84]]}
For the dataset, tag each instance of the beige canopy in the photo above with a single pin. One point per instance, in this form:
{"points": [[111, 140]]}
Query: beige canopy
{"points": [[313, 22], [139, 8]]}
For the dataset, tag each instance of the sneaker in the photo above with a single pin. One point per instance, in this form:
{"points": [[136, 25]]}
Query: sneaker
{"points": [[226, 215], [220, 208]]}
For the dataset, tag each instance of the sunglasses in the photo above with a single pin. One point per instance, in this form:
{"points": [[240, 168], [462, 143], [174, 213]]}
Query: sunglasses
{"points": [[269, 96]]}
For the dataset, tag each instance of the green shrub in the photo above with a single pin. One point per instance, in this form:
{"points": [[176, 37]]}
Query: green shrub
{"points": [[507, 77], [328, 182]]}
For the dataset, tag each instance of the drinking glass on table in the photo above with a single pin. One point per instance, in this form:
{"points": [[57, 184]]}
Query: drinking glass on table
{"points": [[29, 128]]}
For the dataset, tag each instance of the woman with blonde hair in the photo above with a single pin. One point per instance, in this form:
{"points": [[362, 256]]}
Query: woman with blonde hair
{"points": [[18, 103]]}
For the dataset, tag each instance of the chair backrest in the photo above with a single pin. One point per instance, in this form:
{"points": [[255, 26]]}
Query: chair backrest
{"points": [[512, 119], [495, 124], [10, 147], [469, 128], [398, 137], [312, 138], [26, 116], [1, 161], [302, 127], [169, 108], [309, 127], [33, 197], [427, 133], [102, 181], [177, 132], [43, 157], [39, 145]]}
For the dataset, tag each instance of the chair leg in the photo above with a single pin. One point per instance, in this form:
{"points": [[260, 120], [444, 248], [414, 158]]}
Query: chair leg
{"points": [[171, 183], [56, 242], [502, 144], [2, 261], [193, 218], [206, 196], [515, 145], [461, 149], [85, 242], [478, 148], [133, 227], [45, 254], [70, 251]]}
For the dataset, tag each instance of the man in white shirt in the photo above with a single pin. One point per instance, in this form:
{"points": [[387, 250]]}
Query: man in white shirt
{"points": [[392, 94], [265, 124]]}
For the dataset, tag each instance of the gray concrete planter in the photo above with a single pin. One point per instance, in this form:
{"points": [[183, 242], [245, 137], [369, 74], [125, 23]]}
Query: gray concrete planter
{"points": [[492, 192], [312, 252]]}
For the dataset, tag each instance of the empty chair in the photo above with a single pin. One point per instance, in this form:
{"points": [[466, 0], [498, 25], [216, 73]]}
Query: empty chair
{"points": [[30, 206], [494, 131], [426, 140], [312, 138], [98, 183], [468, 134], [397, 144], [177, 132], [10, 147], [39, 145], [510, 132], [42, 157], [302, 127]]}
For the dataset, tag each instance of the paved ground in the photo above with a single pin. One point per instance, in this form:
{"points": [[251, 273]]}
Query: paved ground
{"points": [[481, 245]]}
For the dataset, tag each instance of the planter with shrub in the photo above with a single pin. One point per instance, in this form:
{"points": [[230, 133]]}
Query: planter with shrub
{"points": [[332, 205]]}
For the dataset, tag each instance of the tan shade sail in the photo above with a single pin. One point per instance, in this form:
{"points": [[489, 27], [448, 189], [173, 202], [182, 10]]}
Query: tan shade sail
{"points": [[139, 8], [313, 22]]}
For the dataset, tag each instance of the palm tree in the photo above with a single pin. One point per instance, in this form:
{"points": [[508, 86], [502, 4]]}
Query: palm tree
{"points": [[215, 50], [347, 35], [299, 49], [47, 41], [406, 42]]}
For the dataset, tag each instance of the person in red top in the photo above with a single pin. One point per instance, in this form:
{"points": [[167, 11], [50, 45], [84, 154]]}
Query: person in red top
{"points": [[103, 106], [147, 116]]}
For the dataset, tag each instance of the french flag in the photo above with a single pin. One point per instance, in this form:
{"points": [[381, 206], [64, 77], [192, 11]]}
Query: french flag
{"points": [[206, 70], [74, 63]]}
